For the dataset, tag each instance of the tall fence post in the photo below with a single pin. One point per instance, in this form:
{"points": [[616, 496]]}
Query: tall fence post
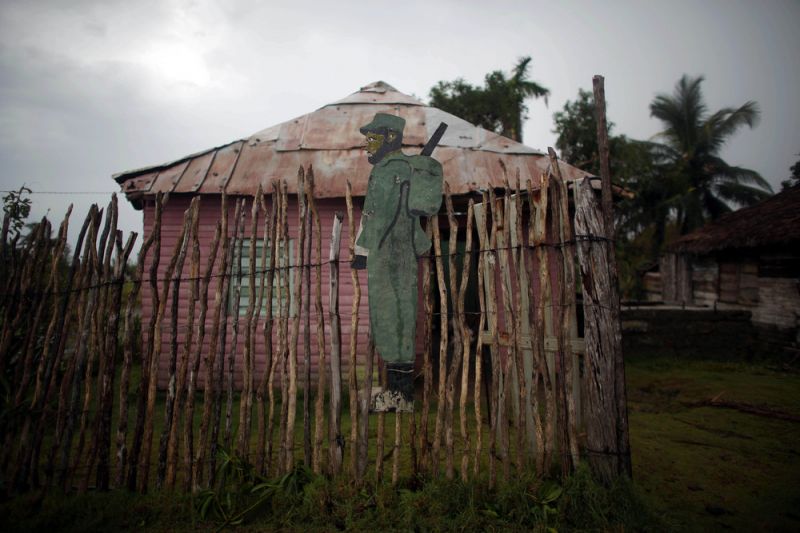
{"points": [[621, 406]]}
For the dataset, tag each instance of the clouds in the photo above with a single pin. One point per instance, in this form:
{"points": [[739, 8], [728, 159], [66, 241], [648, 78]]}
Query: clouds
{"points": [[90, 88]]}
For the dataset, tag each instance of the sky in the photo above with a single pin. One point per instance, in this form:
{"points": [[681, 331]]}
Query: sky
{"points": [[89, 88]]}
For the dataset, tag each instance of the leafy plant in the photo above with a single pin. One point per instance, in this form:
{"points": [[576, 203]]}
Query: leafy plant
{"points": [[17, 207], [242, 490], [546, 499]]}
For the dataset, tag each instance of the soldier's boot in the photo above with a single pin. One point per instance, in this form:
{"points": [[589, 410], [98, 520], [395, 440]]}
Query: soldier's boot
{"points": [[399, 393]]}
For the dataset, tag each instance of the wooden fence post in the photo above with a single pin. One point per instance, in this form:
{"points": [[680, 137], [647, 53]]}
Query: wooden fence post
{"points": [[621, 405], [266, 386], [604, 448], [427, 367], [354, 315], [172, 405], [568, 411], [219, 376], [291, 405], [176, 262], [322, 371], [538, 239], [481, 273], [107, 393], [335, 437], [305, 269], [458, 346], [188, 430], [466, 342], [230, 365], [198, 466], [443, 335], [248, 360]]}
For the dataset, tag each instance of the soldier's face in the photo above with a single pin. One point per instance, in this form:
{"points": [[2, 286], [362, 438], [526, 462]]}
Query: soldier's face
{"points": [[378, 145], [374, 143]]}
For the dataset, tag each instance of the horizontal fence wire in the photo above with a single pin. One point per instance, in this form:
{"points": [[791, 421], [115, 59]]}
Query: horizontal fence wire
{"points": [[277, 269]]}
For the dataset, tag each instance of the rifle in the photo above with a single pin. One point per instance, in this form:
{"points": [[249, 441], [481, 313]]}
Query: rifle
{"points": [[434, 140]]}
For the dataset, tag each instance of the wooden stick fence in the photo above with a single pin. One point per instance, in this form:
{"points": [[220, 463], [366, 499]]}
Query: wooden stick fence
{"points": [[508, 393]]}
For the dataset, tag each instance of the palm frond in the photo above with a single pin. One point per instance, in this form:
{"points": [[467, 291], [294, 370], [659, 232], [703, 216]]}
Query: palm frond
{"points": [[725, 122], [682, 112], [522, 86], [714, 206], [725, 173], [743, 195], [520, 70]]}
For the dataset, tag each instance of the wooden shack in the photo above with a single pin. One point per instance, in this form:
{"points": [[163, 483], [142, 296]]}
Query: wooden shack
{"points": [[746, 260], [328, 140]]}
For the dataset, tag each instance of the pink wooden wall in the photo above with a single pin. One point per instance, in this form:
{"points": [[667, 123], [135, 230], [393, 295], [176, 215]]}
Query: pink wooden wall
{"points": [[209, 214]]}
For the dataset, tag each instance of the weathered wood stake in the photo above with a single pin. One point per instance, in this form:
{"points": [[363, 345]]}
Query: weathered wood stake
{"points": [[443, 338], [335, 437], [356, 302]]}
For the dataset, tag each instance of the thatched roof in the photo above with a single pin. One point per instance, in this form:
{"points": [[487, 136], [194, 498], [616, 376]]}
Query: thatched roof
{"points": [[773, 222]]}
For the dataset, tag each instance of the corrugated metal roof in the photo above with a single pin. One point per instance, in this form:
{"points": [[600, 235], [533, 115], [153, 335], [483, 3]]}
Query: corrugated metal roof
{"points": [[329, 139]]}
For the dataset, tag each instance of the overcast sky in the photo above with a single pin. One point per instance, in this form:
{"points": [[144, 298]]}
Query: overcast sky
{"points": [[91, 88]]}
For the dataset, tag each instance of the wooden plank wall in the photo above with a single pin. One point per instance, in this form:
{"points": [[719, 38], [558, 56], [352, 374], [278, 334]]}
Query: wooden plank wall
{"points": [[209, 215]]}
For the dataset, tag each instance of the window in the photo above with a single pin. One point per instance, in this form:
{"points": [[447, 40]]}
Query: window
{"points": [[244, 299]]}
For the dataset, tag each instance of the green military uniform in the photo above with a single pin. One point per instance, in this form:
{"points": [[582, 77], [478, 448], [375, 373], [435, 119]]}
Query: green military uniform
{"points": [[401, 188]]}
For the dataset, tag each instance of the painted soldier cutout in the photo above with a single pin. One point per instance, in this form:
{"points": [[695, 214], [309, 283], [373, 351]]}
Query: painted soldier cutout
{"points": [[401, 189]]}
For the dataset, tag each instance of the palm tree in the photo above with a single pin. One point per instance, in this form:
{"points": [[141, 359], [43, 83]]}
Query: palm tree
{"points": [[509, 95], [499, 106], [707, 185]]}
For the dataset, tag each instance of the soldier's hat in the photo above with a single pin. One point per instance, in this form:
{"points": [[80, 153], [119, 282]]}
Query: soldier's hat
{"points": [[384, 121]]}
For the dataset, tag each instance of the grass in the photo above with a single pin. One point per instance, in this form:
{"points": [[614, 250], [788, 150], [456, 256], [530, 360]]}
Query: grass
{"points": [[714, 468], [696, 467]]}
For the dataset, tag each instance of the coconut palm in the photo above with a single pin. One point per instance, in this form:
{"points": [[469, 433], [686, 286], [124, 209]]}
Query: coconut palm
{"points": [[498, 106], [693, 138]]}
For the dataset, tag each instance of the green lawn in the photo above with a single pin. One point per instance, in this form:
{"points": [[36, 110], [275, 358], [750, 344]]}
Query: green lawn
{"points": [[712, 468]]}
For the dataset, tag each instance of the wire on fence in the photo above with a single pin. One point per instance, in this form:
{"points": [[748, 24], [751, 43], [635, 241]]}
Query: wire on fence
{"points": [[276, 269]]}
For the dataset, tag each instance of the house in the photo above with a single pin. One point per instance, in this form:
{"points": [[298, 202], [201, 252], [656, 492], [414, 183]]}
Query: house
{"points": [[747, 260], [473, 159]]}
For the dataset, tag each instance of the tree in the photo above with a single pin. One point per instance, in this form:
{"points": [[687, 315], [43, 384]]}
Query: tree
{"points": [[631, 160], [693, 137], [498, 106], [576, 128], [641, 213], [794, 179]]}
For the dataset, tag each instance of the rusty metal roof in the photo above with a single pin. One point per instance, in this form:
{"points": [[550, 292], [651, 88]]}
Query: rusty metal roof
{"points": [[329, 139]]}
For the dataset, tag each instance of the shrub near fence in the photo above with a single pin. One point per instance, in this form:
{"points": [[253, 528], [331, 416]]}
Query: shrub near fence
{"points": [[82, 408]]}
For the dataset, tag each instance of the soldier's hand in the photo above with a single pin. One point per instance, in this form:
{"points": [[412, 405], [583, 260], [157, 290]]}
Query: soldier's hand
{"points": [[359, 262]]}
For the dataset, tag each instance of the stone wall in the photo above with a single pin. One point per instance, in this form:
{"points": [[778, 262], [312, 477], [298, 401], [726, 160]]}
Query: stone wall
{"points": [[688, 333], [706, 333]]}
